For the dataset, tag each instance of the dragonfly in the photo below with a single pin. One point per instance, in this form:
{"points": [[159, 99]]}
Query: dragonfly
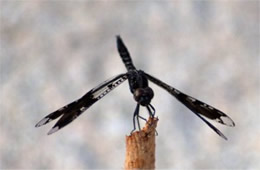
{"points": [[143, 94]]}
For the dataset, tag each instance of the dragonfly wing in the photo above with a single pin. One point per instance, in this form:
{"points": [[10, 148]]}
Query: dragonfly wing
{"points": [[71, 111], [56, 114], [196, 106], [211, 126]]}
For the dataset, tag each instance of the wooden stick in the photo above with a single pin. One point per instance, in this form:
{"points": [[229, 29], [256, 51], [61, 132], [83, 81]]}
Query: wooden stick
{"points": [[140, 147]]}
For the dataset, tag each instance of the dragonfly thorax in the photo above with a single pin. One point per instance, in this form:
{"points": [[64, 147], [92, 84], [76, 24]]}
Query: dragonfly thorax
{"points": [[143, 96]]}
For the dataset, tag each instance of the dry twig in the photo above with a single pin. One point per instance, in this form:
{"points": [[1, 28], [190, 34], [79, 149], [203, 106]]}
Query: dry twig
{"points": [[140, 147]]}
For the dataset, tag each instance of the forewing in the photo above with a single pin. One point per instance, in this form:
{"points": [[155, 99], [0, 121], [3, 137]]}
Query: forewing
{"points": [[212, 127], [195, 105], [56, 114], [71, 111]]}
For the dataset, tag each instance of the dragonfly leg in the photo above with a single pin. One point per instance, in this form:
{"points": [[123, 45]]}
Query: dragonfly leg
{"points": [[135, 116], [151, 110], [138, 116], [137, 119], [142, 118]]}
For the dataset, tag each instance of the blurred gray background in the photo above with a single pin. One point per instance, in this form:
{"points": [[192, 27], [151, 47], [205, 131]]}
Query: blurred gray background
{"points": [[53, 52]]}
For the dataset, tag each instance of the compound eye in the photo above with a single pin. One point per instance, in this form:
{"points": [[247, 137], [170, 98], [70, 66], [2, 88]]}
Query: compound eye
{"points": [[149, 92], [138, 94], [143, 95]]}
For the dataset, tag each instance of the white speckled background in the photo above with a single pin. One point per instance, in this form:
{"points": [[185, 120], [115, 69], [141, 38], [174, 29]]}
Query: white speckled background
{"points": [[52, 52]]}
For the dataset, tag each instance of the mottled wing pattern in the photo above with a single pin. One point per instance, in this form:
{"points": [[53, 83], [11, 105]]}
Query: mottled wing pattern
{"points": [[71, 111], [196, 106]]}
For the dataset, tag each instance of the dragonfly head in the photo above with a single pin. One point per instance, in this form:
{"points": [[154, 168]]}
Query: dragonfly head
{"points": [[143, 96]]}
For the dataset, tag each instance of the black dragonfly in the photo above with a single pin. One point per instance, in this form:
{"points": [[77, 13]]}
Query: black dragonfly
{"points": [[143, 94]]}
